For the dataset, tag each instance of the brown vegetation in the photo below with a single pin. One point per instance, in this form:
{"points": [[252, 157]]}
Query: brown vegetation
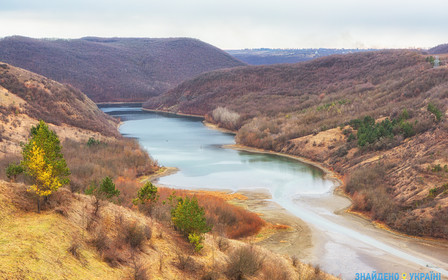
{"points": [[44, 99], [228, 220], [85, 238], [124, 160], [307, 109], [116, 69], [118, 243]]}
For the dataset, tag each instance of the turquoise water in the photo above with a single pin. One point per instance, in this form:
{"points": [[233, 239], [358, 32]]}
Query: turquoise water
{"points": [[342, 246], [196, 150]]}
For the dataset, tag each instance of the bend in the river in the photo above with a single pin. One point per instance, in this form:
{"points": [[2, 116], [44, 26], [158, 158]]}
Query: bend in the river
{"points": [[344, 245]]}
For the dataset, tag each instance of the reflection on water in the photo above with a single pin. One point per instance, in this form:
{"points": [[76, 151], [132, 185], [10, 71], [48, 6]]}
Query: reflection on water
{"points": [[185, 143]]}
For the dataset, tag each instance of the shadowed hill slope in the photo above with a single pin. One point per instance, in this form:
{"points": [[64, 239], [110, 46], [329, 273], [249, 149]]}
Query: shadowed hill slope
{"points": [[116, 69], [267, 56], [370, 81], [440, 49]]}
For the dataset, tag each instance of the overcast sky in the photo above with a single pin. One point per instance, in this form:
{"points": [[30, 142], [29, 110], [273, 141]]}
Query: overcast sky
{"points": [[236, 24]]}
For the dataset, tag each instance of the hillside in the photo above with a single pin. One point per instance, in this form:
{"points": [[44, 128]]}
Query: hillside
{"points": [[267, 56], [116, 69], [440, 49], [69, 242], [394, 169], [41, 98], [26, 98]]}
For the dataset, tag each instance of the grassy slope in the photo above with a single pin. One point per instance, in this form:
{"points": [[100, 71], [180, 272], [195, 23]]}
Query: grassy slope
{"points": [[36, 246], [116, 69], [27, 97], [297, 109], [42, 98]]}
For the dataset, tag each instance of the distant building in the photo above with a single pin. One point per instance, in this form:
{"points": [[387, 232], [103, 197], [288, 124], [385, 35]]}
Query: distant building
{"points": [[436, 62]]}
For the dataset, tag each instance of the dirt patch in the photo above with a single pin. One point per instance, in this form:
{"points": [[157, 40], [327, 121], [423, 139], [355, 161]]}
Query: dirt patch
{"points": [[294, 240]]}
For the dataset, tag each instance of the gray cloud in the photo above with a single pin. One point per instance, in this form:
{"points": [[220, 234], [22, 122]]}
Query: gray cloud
{"points": [[237, 24]]}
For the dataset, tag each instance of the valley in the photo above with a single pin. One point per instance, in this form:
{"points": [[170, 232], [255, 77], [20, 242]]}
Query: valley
{"points": [[315, 110], [372, 126], [276, 186]]}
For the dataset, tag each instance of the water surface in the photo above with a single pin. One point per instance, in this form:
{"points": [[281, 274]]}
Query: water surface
{"points": [[343, 246]]}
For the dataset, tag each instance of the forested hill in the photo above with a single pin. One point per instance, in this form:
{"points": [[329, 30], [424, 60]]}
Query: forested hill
{"points": [[265, 56], [440, 49], [116, 69], [371, 82]]}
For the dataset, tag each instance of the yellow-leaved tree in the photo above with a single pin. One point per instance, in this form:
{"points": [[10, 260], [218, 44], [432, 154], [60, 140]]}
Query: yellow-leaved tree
{"points": [[44, 162], [45, 181]]}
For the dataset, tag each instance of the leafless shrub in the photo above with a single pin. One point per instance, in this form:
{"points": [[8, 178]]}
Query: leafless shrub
{"points": [[245, 261], [223, 244], [112, 257], [226, 118], [135, 235], [100, 240], [74, 248], [139, 272], [275, 271], [210, 275], [295, 261], [186, 263]]}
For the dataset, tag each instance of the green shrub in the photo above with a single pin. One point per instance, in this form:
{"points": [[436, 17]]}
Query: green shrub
{"points": [[437, 168], [146, 194], [106, 191], [370, 132], [13, 170], [189, 218], [93, 142], [196, 240], [432, 192], [435, 111]]}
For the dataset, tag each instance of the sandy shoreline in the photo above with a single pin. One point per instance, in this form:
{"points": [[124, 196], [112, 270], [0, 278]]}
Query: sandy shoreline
{"points": [[296, 241], [163, 171]]}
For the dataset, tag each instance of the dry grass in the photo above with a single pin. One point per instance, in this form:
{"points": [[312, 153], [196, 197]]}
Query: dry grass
{"points": [[227, 219], [123, 160], [53, 102], [304, 109], [116, 245]]}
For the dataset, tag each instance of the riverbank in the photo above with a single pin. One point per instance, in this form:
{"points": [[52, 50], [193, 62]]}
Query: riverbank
{"points": [[163, 171], [415, 246], [285, 234], [340, 243], [338, 188], [171, 113]]}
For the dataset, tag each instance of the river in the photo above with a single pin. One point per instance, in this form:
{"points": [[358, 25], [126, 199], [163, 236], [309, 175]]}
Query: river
{"points": [[342, 244]]}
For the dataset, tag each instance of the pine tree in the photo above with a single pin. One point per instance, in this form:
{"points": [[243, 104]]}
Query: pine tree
{"points": [[189, 218], [44, 163]]}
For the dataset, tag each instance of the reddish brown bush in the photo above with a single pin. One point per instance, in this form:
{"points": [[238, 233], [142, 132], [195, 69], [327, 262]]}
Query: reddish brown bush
{"points": [[234, 221], [123, 160]]}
